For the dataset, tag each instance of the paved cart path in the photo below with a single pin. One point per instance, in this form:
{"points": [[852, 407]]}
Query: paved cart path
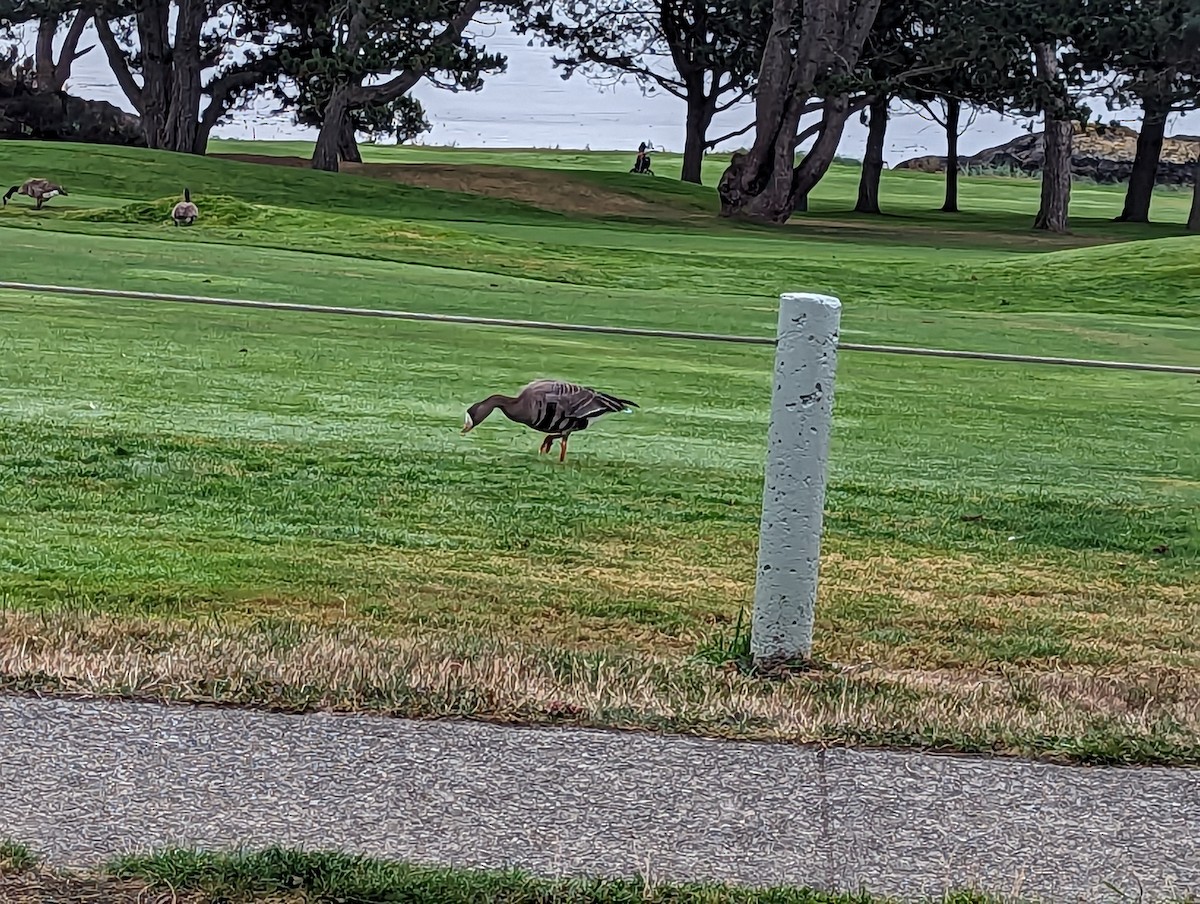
{"points": [[81, 781]]}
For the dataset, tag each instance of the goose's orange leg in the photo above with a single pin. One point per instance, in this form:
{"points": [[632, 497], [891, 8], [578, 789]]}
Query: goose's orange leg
{"points": [[562, 456], [546, 444]]}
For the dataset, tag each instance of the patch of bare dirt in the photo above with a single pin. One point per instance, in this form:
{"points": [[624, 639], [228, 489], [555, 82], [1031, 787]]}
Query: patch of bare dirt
{"points": [[54, 888], [545, 189]]}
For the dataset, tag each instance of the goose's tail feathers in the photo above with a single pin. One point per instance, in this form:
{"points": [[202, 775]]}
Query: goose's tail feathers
{"points": [[625, 406]]}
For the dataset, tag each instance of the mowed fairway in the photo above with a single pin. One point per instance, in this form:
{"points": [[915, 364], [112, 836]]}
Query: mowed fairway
{"points": [[278, 508]]}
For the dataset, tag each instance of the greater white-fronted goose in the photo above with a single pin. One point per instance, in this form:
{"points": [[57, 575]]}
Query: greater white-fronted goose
{"points": [[185, 212], [41, 190], [553, 407]]}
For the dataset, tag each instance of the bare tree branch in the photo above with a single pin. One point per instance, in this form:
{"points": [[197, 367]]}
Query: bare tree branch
{"points": [[401, 84], [859, 104], [118, 62], [713, 142], [732, 102], [221, 92], [70, 50]]}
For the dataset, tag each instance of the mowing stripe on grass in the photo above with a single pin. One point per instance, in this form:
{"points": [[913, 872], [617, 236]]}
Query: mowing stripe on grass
{"points": [[586, 328]]}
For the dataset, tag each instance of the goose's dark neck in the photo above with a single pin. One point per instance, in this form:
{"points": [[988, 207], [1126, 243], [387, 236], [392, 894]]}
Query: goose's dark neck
{"points": [[504, 404]]}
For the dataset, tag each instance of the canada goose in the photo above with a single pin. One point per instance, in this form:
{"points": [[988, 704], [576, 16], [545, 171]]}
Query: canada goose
{"points": [[553, 407], [41, 190], [185, 212]]}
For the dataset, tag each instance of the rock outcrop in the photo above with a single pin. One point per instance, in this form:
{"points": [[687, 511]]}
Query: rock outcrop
{"points": [[1101, 153]]}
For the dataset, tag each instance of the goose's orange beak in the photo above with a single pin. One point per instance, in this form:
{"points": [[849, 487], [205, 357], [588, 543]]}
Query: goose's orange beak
{"points": [[468, 426]]}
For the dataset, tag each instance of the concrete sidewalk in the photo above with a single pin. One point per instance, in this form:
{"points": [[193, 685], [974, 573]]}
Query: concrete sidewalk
{"points": [[81, 781]]}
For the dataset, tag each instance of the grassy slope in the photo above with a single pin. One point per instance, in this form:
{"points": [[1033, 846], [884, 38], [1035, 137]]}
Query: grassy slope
{"points": [[899, 262], [272, 470]]}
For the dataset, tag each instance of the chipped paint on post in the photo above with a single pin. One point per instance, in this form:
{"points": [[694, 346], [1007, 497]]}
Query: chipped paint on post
{"points": [[789, 544]]}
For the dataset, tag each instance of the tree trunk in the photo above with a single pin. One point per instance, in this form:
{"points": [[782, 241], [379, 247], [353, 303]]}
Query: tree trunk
{"points": [[44, 53], [700, 111], [1193, 223], [816, 162], [51, 73], [120, 68], [168, 98], [348, 143], [953, 117], [806, 42], [333, 125], [872, 168], [1053, 215], [779, 188], [760, 185], [183, 105], [1145, 163], [335, 120], [155, 49], [222, 93]]}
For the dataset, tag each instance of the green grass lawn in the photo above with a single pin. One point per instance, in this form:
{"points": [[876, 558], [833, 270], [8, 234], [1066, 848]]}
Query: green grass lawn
{"points": [[278, 508]]}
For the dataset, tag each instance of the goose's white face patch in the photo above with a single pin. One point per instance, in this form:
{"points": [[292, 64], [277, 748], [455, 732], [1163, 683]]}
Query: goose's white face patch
{"points": [[468, 425]]}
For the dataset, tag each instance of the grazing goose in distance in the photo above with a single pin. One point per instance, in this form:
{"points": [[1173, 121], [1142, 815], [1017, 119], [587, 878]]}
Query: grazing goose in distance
{"points": [[185, 212], [41, 190], [553, 407]]}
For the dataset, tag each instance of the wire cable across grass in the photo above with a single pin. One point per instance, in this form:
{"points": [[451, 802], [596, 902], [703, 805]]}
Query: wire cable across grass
{"points": [[585, 328]]}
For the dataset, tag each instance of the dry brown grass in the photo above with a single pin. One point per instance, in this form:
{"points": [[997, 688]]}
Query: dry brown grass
{"points": [[949, 651], [1147, 713], [662, 597], [551, 190], [1095, 658], [47, 887]]}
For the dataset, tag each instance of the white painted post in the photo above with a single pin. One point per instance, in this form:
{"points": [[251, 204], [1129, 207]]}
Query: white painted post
{"points": [[789, 544]]}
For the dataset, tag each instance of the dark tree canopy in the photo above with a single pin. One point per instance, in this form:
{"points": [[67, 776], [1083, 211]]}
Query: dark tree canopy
{"points": [[1150, 51], [49, 72], [704, 53], [1149, 47], [350, 67], [900, 51], [1020, 62], [163, 76], [996, 72]]}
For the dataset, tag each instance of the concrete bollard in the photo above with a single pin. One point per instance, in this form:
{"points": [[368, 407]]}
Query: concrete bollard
{"points": [[789, 544]]}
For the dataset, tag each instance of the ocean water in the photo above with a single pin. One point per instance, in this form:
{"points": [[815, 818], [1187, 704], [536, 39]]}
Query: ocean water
{"points": [[530, 105]]}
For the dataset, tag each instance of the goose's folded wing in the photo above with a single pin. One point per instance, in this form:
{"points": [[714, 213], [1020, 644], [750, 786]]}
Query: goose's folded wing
{"points": [[583, 402]]}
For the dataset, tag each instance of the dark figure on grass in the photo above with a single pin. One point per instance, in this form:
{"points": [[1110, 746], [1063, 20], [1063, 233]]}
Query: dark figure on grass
{"points": [[641, 165]]}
